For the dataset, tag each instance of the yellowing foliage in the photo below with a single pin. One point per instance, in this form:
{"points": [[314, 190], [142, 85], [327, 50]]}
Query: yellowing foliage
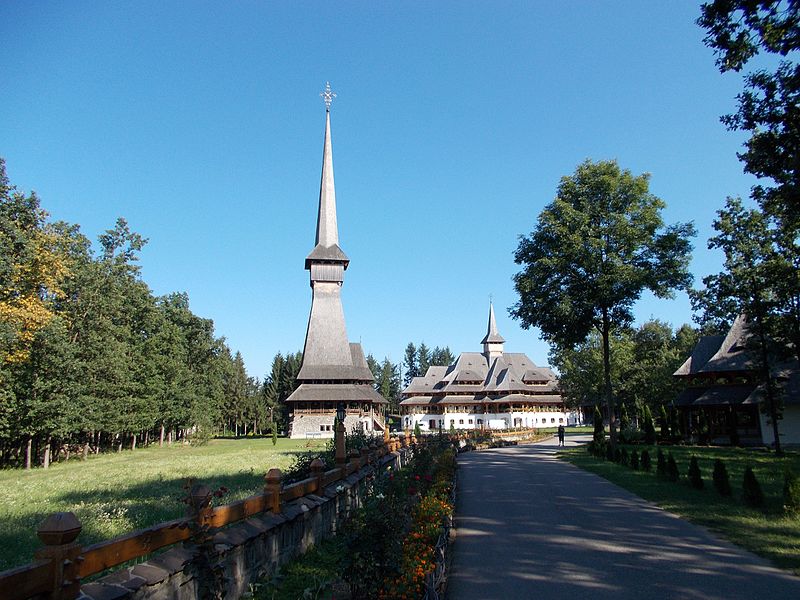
{"points": [[26, 300]]}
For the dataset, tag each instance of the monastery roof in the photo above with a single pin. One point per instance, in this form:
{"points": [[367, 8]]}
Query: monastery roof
{"points": [[706, 347], [508, 373], [356, 370], [336, 392]]}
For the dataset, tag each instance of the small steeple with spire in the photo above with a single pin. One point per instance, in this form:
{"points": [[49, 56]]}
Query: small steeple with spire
{"points": [[493, 341], [327, 248]]}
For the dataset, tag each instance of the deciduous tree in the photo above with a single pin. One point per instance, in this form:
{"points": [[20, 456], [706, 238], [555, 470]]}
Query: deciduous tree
{"points": [[595, 249]]}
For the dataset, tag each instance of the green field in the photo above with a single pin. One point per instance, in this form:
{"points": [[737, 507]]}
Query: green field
{"points": [[768, 532], [115, 493]]}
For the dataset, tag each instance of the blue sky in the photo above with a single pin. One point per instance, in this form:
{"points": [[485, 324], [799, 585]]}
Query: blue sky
{"points": [[201, 124]]}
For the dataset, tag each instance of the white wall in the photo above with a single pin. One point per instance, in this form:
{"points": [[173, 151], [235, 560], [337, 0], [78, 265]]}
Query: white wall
{"points": [[464, 420], [788, 427]]}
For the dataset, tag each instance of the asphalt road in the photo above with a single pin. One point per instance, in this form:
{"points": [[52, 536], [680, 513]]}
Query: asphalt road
{"points": [[531, 526]]}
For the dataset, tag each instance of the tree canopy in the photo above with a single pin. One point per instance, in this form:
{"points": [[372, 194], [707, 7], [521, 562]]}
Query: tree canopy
{"points": [[595, 248], [769, 105]]}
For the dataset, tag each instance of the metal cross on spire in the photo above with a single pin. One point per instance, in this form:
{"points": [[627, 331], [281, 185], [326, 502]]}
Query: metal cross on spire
{"points": [[327, 96]]}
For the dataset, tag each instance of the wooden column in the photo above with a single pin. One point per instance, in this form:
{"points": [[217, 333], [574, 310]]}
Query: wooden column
{"points": [[58, 533]]}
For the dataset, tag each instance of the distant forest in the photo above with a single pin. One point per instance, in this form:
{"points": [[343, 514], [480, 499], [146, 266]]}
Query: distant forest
{"points": [[92, 361]]}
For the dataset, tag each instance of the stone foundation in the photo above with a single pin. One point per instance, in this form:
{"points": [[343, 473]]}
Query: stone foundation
{"points": [[249, 550]]}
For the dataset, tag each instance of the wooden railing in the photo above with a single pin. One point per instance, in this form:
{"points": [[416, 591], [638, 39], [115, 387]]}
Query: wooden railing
{"points": [[61, 563]]}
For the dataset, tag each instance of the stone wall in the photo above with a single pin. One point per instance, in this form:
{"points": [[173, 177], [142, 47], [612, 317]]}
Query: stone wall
{"points": [[249, 550]]}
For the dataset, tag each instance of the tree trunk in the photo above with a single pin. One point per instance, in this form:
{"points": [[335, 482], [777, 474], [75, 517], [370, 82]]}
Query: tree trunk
{"points": [[28, 447], [46, 460], [607, 391], [85, 450], [133, 441], [237, 429], [772, 402], [161, 437], [169, 438]]}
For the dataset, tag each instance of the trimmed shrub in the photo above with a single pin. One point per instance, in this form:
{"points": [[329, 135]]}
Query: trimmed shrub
{"points": [[646, 466], [617, 455], [635, 460], [751, 490], [791, 492], [695, 476], [624, 458], [661, 466], [721, 481], [597, 449], [418, 431], [672, 468]]}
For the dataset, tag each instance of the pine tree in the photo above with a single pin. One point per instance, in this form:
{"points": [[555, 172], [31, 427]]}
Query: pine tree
{"points": [[411, 364], [423, 358]]}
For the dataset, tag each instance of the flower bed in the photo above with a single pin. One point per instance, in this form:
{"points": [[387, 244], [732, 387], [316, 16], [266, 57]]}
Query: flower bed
{"points": [[388, 548]]}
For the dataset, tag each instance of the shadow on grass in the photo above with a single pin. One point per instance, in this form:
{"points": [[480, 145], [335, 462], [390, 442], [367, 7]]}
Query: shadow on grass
{"points": [[108, 513]]}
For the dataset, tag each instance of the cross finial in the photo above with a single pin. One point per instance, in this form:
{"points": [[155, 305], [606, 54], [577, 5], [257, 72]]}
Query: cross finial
{"points": [[327, 96]]}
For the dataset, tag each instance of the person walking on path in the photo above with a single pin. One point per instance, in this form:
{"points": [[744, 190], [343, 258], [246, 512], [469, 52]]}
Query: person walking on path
{"points": [[560, 435]]}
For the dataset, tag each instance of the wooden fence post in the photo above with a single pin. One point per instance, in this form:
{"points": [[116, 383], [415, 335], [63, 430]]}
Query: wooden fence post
{"points": [[273, 487], [318, 473], [341, 452], [200, 504], [58, 533]]}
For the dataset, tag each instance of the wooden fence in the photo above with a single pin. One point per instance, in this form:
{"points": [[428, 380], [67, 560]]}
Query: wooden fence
{"points": [[61, 564]]}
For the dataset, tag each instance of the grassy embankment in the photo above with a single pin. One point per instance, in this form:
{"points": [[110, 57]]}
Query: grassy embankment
{"points": [[769, 532], [115, 493]]}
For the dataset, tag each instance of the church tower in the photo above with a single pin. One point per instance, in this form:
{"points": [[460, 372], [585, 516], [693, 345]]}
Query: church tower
{"points": [[334, 371], [493, 341]]}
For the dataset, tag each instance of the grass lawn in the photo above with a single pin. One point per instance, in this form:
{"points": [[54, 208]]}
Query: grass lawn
{"points": [[767, 532], [115, 493]]}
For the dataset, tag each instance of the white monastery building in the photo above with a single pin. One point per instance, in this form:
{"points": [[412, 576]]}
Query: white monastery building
{"points": [[493, 389], [334, 371]]}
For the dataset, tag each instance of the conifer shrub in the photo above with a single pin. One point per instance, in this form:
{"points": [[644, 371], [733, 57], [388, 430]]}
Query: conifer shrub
{"points": [[418, 431], [617, 455], [649, 427], [661, 464], [722, 482], [751, 490], [634, 460], [664, 424], [672, 468], [695, 476], [646, 465], [599, 436], [624, 458], [791, 492]]}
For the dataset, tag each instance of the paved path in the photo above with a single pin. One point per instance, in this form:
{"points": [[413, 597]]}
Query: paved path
{"points": [[531, 526]]}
